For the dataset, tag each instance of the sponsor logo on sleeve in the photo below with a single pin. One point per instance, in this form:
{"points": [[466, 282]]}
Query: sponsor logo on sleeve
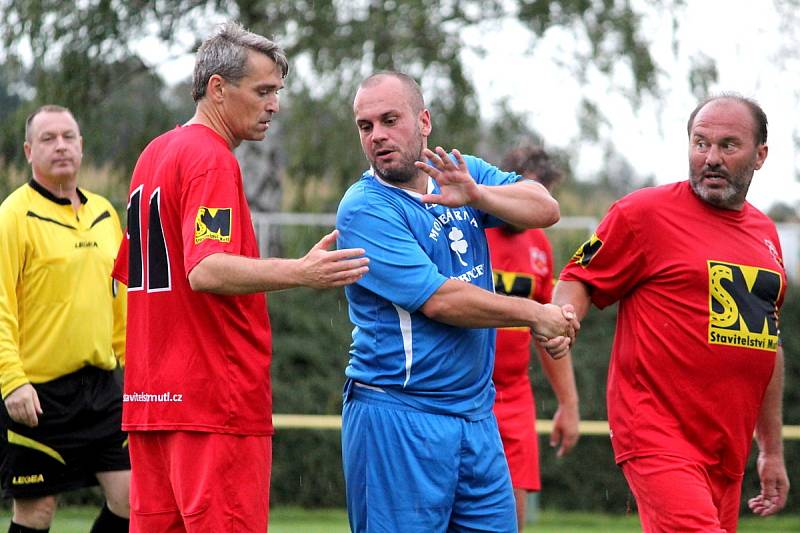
{"points": [[584, 255], [742, 303], [212, 223]]}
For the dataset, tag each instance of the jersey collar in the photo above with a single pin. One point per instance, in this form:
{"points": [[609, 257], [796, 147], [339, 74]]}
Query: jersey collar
{"points": [[413, 194], [38, 187]]}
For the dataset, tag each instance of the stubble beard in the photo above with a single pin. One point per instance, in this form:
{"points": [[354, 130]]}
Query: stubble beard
{"points": [[400, 174], [731, 196], [405, 171]]}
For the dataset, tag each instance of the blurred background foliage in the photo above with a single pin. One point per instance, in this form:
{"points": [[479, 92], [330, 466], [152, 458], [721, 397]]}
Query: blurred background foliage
{"points": [[90, 56], [84, 55]]}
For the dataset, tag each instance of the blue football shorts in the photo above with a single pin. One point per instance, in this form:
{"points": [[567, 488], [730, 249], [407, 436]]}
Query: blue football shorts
{"points": [[417, 472]]}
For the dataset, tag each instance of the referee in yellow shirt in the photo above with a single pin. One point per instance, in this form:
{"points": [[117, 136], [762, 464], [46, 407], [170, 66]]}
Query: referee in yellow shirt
{"points": [[62, 334]]}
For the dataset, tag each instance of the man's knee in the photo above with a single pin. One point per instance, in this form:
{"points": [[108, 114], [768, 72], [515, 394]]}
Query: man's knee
{"points": [[35, 513], [116, 488]]}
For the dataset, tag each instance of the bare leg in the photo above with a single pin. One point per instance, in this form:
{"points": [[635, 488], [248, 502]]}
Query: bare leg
{"points": [[35, 513], [116, 487]]}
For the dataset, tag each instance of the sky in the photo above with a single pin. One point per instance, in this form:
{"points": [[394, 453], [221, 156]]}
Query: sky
{"points": [[745, 38]]}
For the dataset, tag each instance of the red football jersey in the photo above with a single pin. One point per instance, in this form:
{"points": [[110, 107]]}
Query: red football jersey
{"points": [[694, 349], [522, 265], [195, 361]]}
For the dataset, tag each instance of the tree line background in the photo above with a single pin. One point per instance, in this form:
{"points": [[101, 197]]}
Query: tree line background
{"points": [[83, 55]]}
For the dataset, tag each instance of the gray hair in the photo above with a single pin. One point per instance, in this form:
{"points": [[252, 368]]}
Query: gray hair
{"points": [[47, 108], [225, 54], [415, 99], [759, 117]]}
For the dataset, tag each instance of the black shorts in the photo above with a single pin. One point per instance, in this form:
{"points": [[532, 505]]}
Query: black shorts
{"points": [[79, 434]]}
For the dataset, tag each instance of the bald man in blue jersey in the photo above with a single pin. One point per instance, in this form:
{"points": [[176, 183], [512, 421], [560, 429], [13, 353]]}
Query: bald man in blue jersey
{"points": [[421, 448]]}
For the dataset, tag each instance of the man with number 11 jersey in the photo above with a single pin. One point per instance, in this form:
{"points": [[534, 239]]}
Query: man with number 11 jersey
{"points": [[197, 402], [212, 352]]}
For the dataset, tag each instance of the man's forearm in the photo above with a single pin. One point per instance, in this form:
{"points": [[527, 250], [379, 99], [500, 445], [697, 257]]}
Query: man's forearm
{"points": [[464, 305], [234, 274], [575, 293], [770, 418], [525, 204], [320, 268], [561, 377]]}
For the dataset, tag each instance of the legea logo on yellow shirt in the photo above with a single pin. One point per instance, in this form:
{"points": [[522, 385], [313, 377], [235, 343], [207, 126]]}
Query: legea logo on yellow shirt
{"points": [[742, 305], [212, 223]]}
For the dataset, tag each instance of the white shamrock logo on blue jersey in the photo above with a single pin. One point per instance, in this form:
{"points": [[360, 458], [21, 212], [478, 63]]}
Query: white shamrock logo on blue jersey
{"points": [[459, 245]]}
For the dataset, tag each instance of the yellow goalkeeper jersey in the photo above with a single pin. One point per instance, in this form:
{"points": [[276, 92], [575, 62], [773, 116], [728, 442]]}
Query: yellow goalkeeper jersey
{"points": [[59, 307]]}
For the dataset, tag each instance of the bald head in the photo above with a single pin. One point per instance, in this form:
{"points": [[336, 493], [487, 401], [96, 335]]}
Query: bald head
{"points": [[757, 114], [411, 89], [393, 125], [725, 149]]}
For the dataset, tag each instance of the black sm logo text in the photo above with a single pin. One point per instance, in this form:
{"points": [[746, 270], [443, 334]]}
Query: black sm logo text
{"points": [[742, 305]]}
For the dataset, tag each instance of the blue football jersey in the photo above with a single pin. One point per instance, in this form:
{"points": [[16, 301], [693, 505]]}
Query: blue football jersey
{"points": [[413, 249]]}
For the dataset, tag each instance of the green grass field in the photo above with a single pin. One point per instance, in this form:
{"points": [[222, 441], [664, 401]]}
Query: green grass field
{"points": [[294, 520]]}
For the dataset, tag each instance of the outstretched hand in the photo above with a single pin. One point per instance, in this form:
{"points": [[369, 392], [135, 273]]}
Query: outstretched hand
{"points": [[323, 268], [457, 188], [23, 405]]}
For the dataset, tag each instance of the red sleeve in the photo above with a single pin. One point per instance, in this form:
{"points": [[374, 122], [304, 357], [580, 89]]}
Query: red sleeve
{"points": [[210, 213], [612, 260], [120, 271]]}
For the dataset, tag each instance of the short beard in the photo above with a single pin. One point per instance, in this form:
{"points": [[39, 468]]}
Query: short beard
{"points": [[725, 199], [404, 174], [716, 198], [407, 171]]}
